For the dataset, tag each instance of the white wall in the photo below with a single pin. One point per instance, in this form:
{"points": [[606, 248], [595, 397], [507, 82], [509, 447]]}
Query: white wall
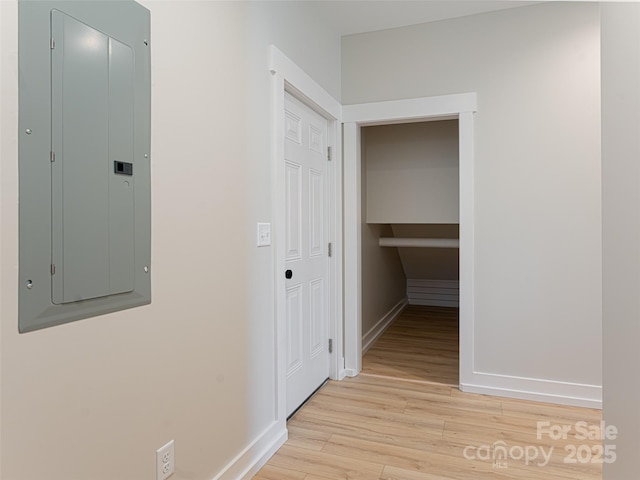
{"points": [[537, 176], [197, 365], [621, 231], [412, 173]]}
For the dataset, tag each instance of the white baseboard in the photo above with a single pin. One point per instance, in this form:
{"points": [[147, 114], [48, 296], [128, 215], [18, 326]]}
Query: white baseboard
{"points": [[550, 391], [381, 325], [435, 293], [247, 463]]}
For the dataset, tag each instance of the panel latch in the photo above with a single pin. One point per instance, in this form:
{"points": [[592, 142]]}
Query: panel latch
{"points": [[122, 168]]}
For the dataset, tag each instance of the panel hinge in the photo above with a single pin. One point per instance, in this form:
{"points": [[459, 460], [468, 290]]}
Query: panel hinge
{"points": [[329, 153], [331, 345], [53, 269], [52, 156], [52, 43], [330, 249]]}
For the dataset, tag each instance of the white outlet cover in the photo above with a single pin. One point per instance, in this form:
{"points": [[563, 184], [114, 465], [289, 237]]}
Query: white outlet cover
{"points": [[165, 461], [264, 234]]}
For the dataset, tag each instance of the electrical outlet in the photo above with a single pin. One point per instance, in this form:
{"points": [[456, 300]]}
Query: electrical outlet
{"points": [[165, 461]]}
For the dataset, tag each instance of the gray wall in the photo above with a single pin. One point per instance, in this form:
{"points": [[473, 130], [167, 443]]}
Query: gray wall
{"points": [[429, 263], [536, 71], [383, 278], [621, 231], [412, 173]]}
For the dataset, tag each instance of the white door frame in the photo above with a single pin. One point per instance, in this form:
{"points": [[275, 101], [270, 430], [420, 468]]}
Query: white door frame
{"points": [[287, 76], [460, 106]]}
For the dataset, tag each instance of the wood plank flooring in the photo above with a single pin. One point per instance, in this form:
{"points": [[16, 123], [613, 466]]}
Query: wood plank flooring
{"points": [[377, 428], [420, 345]]}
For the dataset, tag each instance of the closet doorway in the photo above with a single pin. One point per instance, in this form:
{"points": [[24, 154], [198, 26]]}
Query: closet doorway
{"points": [[363, 232], [409, 250]]}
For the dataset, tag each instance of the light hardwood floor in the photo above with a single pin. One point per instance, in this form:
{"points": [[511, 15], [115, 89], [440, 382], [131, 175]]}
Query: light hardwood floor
{"points": [[376, 428], [421, 345]]}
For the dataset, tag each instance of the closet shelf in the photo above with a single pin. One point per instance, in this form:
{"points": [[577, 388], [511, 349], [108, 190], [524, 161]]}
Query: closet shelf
{"points": [[419, 242]]}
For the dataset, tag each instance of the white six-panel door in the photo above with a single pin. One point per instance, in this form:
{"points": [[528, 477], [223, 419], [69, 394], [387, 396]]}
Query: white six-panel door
{"points": [[306, 244]]}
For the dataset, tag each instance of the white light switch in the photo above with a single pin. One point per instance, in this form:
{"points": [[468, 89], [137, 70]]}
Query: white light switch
{"points": [[264, 234]]}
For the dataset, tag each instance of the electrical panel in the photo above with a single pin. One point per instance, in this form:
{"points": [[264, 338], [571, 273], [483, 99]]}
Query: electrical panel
{"points": [[84, 159]]}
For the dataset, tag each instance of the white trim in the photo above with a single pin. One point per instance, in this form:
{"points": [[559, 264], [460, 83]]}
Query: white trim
{"points": [[551, 391], [461, 106], [352, 237], [247, 463], [466, 247], [381, 325], [418, 242], [349, 372], [303, 84], [335, 264], [278, 231], [409, 110], [287, 76]]}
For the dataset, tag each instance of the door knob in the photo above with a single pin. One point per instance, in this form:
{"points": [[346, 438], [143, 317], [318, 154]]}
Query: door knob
{"points": [[288, 274]]}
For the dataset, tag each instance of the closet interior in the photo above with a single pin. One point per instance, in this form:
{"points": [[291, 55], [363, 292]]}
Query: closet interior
{"points": [[409, 238]]}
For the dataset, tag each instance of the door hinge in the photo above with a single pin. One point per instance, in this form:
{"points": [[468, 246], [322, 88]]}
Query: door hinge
{"points": [[52, 156], [52, 43], [331, 345], [53, 269], [329, 153], [330, 249]]}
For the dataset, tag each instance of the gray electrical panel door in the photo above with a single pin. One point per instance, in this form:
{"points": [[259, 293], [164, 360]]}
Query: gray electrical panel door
{"points": [[92, 128], [84, 159]]}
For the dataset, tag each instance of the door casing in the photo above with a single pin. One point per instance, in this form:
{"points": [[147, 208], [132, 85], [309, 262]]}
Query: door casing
{"points": [[354, 117], [345, 122], [288, 77]]}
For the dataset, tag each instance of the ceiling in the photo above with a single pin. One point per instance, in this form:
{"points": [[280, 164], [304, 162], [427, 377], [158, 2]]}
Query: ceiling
{"points": [[358, 16]]}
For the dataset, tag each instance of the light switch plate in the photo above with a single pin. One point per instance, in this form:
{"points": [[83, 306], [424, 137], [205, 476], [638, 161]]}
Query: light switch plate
{"points": [[264, 234]]}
